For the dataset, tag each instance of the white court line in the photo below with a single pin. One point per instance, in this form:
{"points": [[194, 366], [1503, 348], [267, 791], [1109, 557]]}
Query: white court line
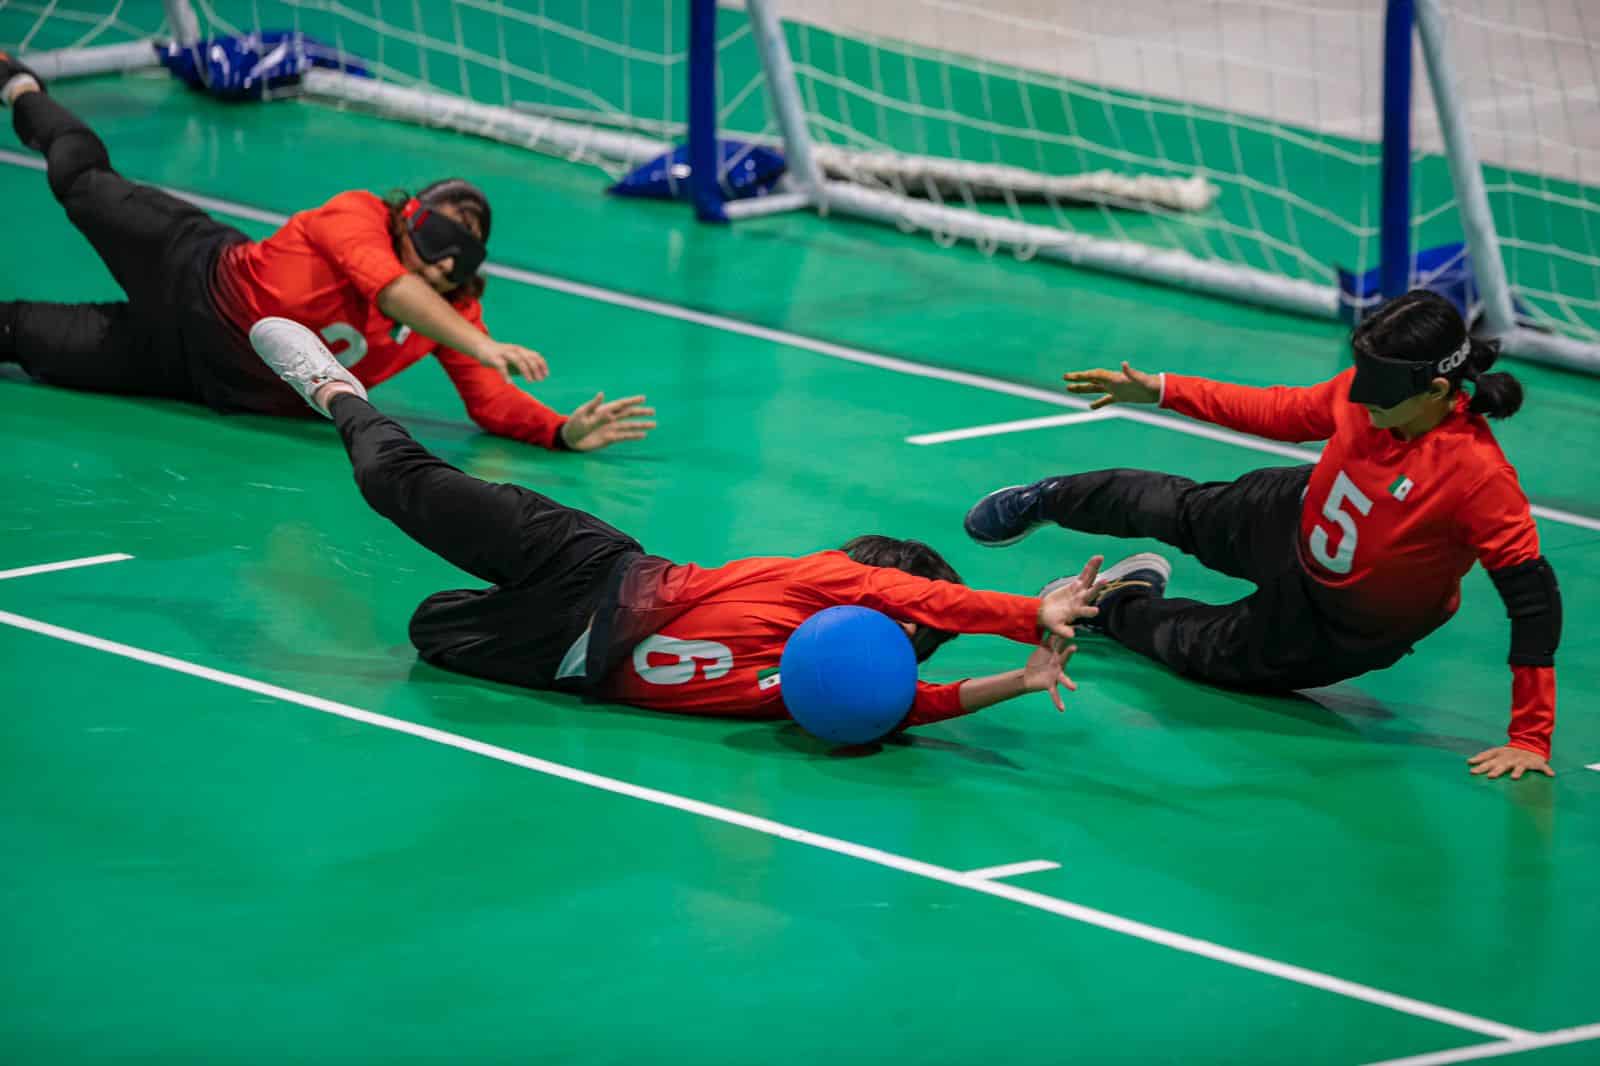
{"points": [[1101, 919], [1593, 766], [826, 348], [224, 207], [1014, 869], [69, 564], [1021, 425], [1554, 1038]]}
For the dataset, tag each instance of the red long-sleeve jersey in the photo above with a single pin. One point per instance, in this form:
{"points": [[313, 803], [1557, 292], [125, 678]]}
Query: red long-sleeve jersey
{"points": [[708, 641], [1395, 523], [324, 268]]}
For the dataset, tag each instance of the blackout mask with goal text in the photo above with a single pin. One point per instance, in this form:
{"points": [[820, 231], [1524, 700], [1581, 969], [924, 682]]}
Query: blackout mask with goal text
{"points": [[436, 236], [1384, 382]]}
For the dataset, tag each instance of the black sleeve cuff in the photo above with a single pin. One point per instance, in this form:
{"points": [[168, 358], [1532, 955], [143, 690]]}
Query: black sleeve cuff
{"points": [[1533, 603]]}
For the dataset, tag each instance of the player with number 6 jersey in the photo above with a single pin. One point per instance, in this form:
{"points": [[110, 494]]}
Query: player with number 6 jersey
{"points": [[387, 281], [1354, 559], [577, 605]]}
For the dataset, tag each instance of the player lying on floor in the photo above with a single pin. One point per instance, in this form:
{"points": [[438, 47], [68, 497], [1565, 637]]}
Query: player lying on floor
{"points": [[1355, 559], [578, 606], [391, 280]]}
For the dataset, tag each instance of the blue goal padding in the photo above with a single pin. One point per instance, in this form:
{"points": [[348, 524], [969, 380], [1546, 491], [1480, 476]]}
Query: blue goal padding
{"points": [[1446, 270], [747, 170], [252, 65]]}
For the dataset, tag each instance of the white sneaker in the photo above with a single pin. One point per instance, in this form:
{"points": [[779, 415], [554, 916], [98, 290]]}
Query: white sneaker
{"points": [[299, 357]]}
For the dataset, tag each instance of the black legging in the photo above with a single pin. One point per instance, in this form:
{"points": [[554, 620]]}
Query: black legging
{"points": [[1287, 634], [548, 562], [166, 339]]}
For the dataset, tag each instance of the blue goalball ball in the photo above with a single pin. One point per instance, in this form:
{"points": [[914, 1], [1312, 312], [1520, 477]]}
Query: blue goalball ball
{"points": [[849, 675]]}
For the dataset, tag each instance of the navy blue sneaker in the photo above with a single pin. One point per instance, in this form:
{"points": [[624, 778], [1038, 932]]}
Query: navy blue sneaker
{"points": [[1146, 571], [1005, 516]]}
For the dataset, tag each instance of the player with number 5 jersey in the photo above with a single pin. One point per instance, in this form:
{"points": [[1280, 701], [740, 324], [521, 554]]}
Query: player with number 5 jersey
{"points": [[1354, 559]]}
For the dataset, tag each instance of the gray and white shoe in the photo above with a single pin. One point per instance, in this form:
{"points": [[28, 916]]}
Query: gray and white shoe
{"points": [[299, 357], [1146, 570]]}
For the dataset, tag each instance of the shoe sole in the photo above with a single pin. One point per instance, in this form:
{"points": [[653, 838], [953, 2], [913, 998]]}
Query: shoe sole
{"points": [[1116, 572], [1141, 561], [1024, 535], [1121, 569]]}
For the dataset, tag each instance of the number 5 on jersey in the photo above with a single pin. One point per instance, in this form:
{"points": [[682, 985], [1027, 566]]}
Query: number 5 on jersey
{"points": [[1344, 492]]}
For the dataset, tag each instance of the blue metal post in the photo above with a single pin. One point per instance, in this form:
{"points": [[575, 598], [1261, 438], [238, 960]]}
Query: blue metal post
{"points": [[1394, 233], [704, 157]]}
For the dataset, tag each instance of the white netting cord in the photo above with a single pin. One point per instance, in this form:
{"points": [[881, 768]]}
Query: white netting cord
{"points": [[935, 178], [1240, 133], [497, 60], [1531, 94], [591, 144], [87, 28], [1276, 148], [1091, 62]]}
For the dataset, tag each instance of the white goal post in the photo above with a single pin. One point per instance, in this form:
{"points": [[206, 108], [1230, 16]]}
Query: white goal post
{"points": [[1246, 148]]}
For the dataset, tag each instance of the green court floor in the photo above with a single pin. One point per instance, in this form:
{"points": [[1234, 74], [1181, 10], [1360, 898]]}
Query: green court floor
{"points": [[195, 871]]}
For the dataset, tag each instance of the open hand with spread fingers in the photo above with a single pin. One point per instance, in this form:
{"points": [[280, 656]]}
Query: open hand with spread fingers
{"points": [[1068, 603], [1114, 386], [1046, 671], [1505, 759], [598, 424]]}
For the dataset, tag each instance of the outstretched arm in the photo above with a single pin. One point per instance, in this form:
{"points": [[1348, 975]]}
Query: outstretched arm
{"points": [[1499, 524], [502, 408], [1045, 671], [412, 302], [352, 231], [1278, 413], [951, 607]]}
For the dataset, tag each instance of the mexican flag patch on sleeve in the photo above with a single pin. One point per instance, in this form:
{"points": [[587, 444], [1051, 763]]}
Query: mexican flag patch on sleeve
{"points": [[767, 679], [1401, 488]]}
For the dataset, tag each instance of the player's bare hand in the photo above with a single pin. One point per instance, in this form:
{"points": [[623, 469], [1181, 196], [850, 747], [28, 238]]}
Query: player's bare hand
{"points": [[512, 360], [1069, 603], [1114, 386], [1495, 762], [598, 424], [1046, 671]]}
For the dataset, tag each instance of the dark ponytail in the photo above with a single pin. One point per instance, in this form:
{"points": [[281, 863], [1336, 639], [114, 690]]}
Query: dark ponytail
{"points": [[1422, 326], [1493, 395]]}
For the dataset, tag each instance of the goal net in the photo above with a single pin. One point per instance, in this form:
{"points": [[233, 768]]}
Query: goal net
{"points": [[1236, 146]]}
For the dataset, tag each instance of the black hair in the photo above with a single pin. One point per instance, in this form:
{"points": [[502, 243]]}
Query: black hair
{"points": [[1423, 326], [460, 193], [450, 192], [915, 558]]}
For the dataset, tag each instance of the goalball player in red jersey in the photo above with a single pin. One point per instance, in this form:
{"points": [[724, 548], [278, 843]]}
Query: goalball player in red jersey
{"points": [[389, 281], [1354, 559], [576, 605]]}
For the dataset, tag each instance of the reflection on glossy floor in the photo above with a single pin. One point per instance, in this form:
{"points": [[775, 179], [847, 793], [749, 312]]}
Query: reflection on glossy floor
{"points": [[199, 872]]}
